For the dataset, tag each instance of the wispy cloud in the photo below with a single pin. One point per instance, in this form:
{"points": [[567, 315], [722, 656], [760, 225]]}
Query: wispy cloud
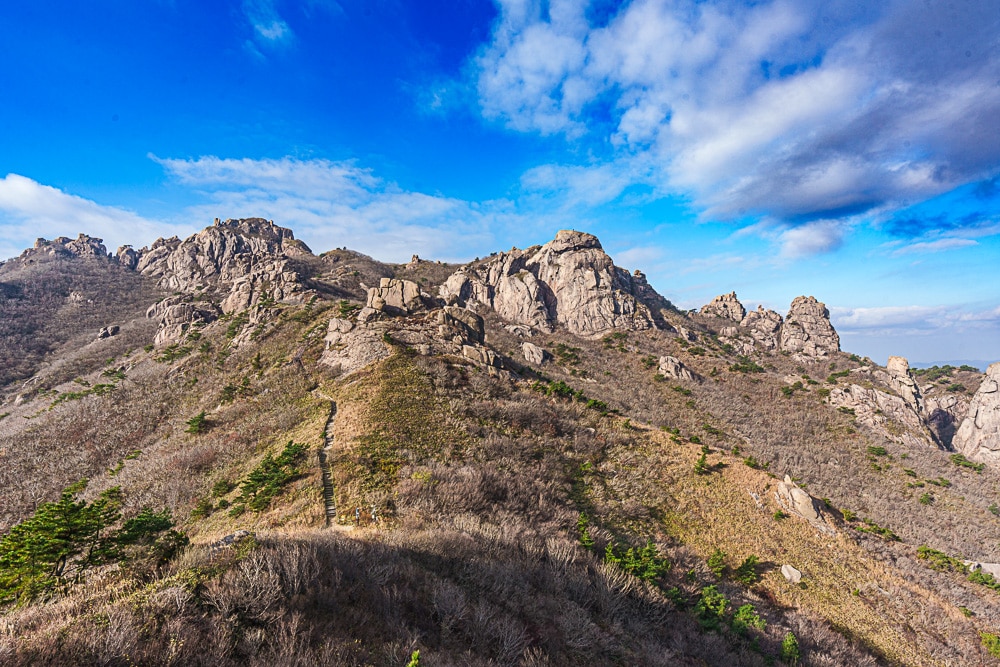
{"points": [[29, 209], [332, 204], [269, 29], [804, 112], [934, 246]]}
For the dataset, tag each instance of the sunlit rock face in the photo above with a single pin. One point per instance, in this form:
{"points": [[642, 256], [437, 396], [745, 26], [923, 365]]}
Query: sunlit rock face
{"points": [[569, 282]]}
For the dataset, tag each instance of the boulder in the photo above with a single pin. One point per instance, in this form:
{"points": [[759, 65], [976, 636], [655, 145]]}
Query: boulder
{"points": [[469, 325], [672, 367], [978, 438], [396, 297], [127, 257], [569, 282], [350, 347], [82, 246], [764, 327], [807, 330], [482, 355], [725, 306], [799, 503], [108, 332], [533, 354], [792, 575]]}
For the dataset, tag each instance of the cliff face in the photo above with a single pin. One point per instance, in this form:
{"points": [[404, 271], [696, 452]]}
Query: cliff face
{"points": [[569, 282], [978, 437]]}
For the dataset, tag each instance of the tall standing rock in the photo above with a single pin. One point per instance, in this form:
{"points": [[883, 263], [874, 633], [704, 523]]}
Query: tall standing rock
{"points": [[764, 326], [569, 281], [726, 306], [903, 383], [979, 435], [807, 329]]}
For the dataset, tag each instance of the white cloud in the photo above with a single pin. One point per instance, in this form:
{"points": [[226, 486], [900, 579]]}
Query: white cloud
{"points": [[801, 111], [268, 27], [811, 239], [29, 210], [333, 204], [934, 246]]}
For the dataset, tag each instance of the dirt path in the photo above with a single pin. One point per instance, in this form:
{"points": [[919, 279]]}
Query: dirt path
{"points": [[329, 499]]}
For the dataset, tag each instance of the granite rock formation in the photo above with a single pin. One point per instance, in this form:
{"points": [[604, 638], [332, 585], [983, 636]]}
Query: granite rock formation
{"points": [[725, 306], [807, 329], [978, 437], [569, 282]]}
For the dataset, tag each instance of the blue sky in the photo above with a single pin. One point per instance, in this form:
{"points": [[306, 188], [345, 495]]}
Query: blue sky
{"points": [[848, 150]]}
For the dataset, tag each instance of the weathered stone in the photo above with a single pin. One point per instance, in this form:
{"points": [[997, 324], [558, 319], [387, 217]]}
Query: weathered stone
{"points": [[887, 413], [764, 327], [396, 297], [978, 437], [799, 503], [725, 306], [792, 575], [176, 316], [944, 414], [672, 367], [127, 257], [903, 383], [482, 355], [350, 348], [82, 246], [520, 330], [807, 329], [108, 332], [569, 281], [466, 322], [533, 354], [247, 260]]}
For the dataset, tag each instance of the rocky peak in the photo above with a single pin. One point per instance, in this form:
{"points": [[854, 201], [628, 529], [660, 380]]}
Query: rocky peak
{"points": [[903, 383], [81, 246], [764, 326], [569, 282], [979, 435], [726, 306], [807, 329]]}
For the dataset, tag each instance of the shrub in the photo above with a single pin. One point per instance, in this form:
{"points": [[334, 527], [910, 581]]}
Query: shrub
{"points": [[878, 451], [267, 480], [701, 466], [790, 649], [746, 573], [746, 365], [937, 560], [711, 607], [926, 499], [645, 562], [717, 563], [963, 462], [991, 643], [196, 424], [583, 530], [746, 617]]}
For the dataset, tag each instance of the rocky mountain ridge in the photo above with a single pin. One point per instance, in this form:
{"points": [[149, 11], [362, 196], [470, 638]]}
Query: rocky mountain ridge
{"points": [[540, 411]]}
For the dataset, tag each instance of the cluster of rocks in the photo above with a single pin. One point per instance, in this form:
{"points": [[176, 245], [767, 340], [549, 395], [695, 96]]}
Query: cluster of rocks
{"points": [[63, 246], [245, 263], [672, 367], [569, 282], [806, 331], [427, 327]]}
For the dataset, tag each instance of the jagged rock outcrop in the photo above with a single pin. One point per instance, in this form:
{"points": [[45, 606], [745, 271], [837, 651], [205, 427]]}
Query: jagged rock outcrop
{"points": [[672, 367], [245, 260], [350, 346], [176, 315], [888, 413], [569, 281], [127, 257], [764, 327], [944, 414], [469, 325], [397, 297], [978, 438], [807, 329], [902, 383], [81, 246], [725, 306], [108, 332], [797, 502]]}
